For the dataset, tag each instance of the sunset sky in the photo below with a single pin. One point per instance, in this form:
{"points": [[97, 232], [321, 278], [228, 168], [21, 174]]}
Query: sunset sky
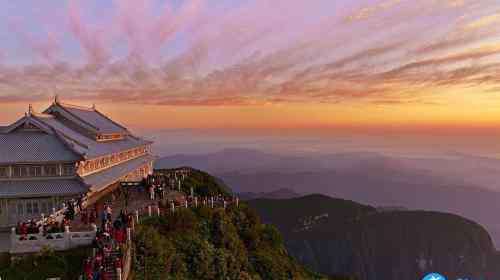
{"points": [[257, 63]]}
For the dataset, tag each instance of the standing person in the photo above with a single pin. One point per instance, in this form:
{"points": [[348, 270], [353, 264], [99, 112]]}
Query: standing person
{"points": [[118, 263], [103, 217], [87, 268], [78, 203], [130, 220], [24, 231], [98, 259], [151, 192], [109, 212], [160, 192], [85, 217], [126, 195], [123, 217], [93, 216]]}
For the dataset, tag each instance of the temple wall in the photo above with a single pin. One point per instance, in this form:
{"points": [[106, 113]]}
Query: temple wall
{"points": [[14, 210]]}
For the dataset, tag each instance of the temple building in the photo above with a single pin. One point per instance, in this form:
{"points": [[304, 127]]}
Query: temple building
{"points": [[65, 152]]}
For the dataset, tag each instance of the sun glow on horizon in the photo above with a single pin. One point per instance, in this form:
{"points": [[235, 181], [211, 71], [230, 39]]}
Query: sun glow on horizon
{"points": [[200, 64]]}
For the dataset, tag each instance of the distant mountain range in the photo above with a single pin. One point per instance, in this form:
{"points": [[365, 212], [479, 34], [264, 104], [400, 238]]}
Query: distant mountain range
{"points": [[450, 184], [277, 194], [341, 237]]}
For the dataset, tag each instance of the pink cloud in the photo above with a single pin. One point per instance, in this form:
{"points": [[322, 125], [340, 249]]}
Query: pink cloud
{"points": [[91, 38], [45, 46], [263, 52]]}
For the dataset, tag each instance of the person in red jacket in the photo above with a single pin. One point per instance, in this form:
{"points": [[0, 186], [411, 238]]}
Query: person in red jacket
{"points": [[24, 231], [118, 263], [98, 259], [87, 268], [105, 275], [120, 236]]}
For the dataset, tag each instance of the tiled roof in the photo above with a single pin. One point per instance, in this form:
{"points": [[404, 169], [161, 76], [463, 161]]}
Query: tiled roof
{"points": [[88, 146], [27, 147], [102, 179], [92, 117], [68, 135], [32, 188]]}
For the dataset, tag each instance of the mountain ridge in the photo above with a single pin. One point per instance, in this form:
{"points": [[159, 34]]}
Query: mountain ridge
{"points": [[365, 177], [373, 244]]}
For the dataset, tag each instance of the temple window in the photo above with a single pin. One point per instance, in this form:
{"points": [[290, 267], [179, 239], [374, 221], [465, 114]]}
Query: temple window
{"points": [[20, 171], [29, 208], [36, 210], [35, 171], [68, 170], [43, 207], [50, 170], [20, 209], [4, 171]]}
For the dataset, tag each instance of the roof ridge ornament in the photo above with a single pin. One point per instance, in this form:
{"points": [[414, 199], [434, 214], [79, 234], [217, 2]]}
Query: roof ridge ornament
{"points": [[30, 109], [56, 99]]}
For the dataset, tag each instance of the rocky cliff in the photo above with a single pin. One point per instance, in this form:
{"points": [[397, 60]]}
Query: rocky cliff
{"points": [[340, 237]]}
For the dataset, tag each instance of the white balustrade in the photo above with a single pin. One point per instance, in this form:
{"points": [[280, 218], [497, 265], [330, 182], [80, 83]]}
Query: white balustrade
{"points": [[60, 241]]}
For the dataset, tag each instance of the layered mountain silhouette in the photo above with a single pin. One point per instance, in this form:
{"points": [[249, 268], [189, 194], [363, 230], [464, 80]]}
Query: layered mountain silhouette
{"points": [[434, 184]]}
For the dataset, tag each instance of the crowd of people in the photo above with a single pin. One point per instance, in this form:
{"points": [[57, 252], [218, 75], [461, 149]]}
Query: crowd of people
{"points": [[158, 185], [109, 244], [53, 223], [156, 191]]}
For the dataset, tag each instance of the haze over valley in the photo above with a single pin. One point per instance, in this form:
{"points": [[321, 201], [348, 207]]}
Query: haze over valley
{"points": [[445, 180]]}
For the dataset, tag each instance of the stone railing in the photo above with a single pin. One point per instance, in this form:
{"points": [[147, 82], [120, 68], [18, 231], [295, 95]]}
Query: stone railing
{"points": [[195, 202], [32, 243]]}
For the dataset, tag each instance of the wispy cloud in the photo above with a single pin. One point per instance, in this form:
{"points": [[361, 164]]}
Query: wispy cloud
{"points": [[372, 10], [203, 53], [92, 38], [482, 22]]}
